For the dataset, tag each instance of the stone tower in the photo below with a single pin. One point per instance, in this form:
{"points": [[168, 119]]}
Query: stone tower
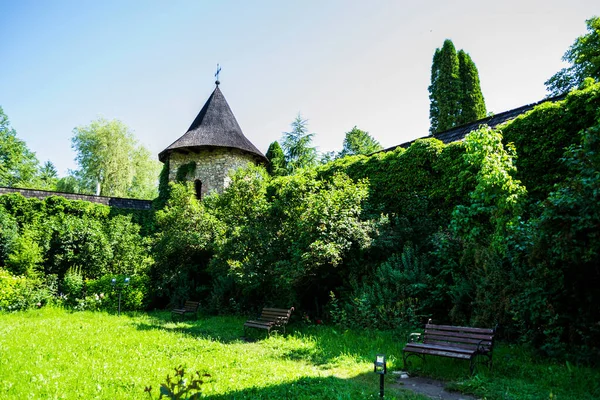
{"points": [[213, 146]]}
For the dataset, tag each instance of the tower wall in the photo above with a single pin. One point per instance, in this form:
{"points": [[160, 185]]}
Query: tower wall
{"points": [[212, 166]]}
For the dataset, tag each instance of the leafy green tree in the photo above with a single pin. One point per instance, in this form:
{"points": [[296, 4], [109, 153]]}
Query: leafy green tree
{"points": [[472, 104], [584, 57], [358, 141], [182, 246], [277, 164], [69, 184], [18, 165], [111, 162], [146, 171], [444, 91], [297, 146]]}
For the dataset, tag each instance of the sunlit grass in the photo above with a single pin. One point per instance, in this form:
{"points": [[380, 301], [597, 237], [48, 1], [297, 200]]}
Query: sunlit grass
{"points": [[51, 353], [55, 354]]}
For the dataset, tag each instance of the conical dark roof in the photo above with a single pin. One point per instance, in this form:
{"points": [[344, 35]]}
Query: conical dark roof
{"points": [[215, 126]]}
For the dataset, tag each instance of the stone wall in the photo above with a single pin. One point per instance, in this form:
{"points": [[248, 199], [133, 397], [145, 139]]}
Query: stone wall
{"points": [[212, 166], [117, 202]]}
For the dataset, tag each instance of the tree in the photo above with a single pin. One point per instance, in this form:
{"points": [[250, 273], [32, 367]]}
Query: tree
{"points": [[277, 165], [297, 146], [455, 92], [48, 176], [18, 164], [472, 104], [359, 142], [584, 57], [145, 179], [69, 184], [111, 162], [444, 89]]}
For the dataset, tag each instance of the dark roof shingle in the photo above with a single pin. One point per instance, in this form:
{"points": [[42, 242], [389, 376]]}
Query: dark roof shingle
{"points": [[215, 126], [458, 133]]}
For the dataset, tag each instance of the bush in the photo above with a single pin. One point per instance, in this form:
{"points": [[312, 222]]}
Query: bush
{"points": [[101, 294], [21, 293], [389, 299], [8, 234]]}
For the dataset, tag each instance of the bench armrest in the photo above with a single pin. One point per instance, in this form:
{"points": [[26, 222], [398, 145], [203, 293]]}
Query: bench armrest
{"points": [[414, 337], [483, 349]]}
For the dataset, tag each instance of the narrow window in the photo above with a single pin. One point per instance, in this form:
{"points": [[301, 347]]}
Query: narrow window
{"points": [[198, 188]]}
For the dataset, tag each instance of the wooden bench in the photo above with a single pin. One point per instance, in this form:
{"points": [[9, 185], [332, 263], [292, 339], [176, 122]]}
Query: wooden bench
{"points": [[452, 341], [189, 308], [270, 318]]}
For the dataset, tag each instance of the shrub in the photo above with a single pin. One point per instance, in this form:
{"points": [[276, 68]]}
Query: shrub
{"points": [[101, 294], [8, 234], [20, 293], [389, 299]]}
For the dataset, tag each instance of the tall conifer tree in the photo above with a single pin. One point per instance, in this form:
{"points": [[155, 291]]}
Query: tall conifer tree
{"points": [[277, 165], [455, 94], [472, 104], [444, 89]]}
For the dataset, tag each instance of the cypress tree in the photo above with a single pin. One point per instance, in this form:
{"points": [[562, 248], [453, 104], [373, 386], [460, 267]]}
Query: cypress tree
{"points": [[444, 91], [472, 103], [277, 164], [455, 93], [434, 110]]}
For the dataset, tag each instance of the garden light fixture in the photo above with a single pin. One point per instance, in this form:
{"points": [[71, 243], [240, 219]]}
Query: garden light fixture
{"points": [[119, 288], [380, 368]]}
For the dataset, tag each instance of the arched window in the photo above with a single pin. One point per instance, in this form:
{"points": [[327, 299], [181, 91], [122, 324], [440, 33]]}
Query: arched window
{"points": [[198, 188]]}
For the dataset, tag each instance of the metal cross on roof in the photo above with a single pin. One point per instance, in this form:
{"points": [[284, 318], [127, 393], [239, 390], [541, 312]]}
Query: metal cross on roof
{"points": [[217, 74]]}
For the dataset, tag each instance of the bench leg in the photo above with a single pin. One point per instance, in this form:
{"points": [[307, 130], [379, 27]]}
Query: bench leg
{"points": [[406, 356], [477, 360]]}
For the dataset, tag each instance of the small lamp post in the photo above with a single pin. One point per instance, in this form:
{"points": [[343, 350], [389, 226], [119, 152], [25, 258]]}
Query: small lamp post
{"points": [[380, 368], [119, 288]]}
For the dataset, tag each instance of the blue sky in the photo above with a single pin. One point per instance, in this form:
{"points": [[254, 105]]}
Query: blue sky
{"points": [[339, 63]]}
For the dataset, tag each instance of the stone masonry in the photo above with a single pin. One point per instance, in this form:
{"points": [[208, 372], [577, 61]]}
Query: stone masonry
{"points": [[213, 166]]}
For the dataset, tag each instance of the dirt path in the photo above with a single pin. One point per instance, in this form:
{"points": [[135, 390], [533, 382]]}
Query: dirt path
{"points": [[431, 388]]}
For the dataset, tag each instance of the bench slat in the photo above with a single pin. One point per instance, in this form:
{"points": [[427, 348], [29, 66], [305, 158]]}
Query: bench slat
{"points": [[457, 335], [457, 345], [453, 339], [459, 329], [449, 354], [279, 310], [256, 325], [474, 343], [440, 347]]}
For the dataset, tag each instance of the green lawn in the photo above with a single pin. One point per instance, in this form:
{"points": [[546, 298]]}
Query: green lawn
{"points": [[52, 353]]}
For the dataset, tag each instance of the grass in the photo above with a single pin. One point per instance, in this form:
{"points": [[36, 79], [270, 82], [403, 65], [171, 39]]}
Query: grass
{"points": [[54, 354]]}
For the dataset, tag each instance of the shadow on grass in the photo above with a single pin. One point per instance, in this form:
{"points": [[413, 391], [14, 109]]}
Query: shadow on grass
{"points": [[363, 386], [221, 329], [333, 345]]}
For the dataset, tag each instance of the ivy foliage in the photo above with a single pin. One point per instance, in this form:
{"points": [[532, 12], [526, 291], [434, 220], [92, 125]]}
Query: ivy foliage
{"points": [[71, 241], [181, 247], [500, 228]]}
